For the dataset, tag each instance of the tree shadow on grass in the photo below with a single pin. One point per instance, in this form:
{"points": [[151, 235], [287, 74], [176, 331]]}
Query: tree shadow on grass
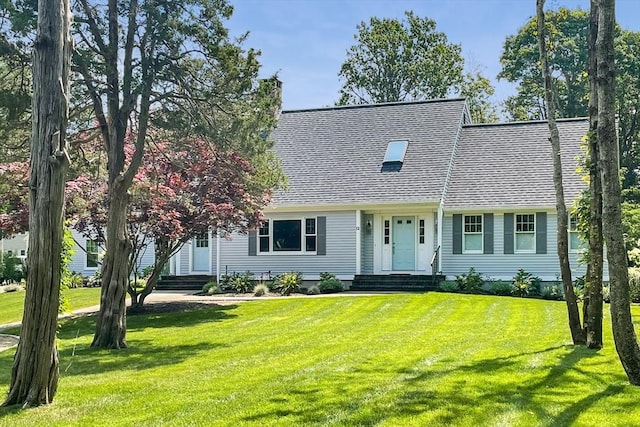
{"points": [[139, 356], [407, 393]]}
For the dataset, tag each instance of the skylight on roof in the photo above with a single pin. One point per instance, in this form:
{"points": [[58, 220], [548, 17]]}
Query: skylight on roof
{"points": [[396, 151]]}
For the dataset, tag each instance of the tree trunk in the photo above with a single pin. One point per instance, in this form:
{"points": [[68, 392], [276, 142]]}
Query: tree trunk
{"points": [[35, 372], [593, 282], [622, 324], [111, 324], [163, 251], [577, 333]]}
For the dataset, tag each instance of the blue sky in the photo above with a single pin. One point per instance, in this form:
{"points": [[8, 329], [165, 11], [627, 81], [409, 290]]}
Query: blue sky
{"points": [[305, 41]]}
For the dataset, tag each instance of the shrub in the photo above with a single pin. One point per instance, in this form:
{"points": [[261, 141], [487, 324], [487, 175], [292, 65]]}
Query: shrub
{"points": [[470, 282], [449, 286], [210, 288], [552, 292], [500, 287], [525, 284], [260, 290], [11, 268], [286, 283], [578, 287], [313, 290], [634, 284], [239, 283], [329, 283]]}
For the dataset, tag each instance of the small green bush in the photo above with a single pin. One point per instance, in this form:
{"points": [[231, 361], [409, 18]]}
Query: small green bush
{"points": [[525, 284], [313, 290], [260, 290], [552, 292], [329, 283], [287, 283], [11, 268], [500, 287], [449, 286], [210, 288], [470, 282], [239, 283]]}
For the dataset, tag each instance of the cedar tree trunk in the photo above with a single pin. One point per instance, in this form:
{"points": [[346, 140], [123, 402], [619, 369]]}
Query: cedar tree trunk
{"points": [[577, 333], [111, 324], [622, 324], [35, 372], [593, 282]]}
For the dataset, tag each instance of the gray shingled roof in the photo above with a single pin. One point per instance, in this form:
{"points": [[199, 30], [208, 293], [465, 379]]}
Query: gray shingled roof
{"points": [[510, 165], [334, 155]]}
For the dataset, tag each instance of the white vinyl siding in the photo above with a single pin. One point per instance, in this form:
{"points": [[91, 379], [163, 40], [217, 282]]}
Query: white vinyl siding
{"points": [[340, 258], [501, 266]]}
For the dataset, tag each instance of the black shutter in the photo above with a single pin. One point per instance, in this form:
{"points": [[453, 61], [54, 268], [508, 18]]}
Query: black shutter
{"points": [[541, 232], [253, 242], [487, 228], [508, 233], [321, 230], [457, 233]]}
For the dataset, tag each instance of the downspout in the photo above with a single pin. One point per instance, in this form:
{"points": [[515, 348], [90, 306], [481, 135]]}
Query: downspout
{"points": [[218, 240], [443, 196], [358, 241]]}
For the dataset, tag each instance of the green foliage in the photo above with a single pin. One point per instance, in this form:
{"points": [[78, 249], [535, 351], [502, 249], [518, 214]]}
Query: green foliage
{"points": [[525, 284], [239, 283], [11, 268], [313, 290], [210, 288], [400, 60], [579, 287], [260, 290], [287, 283], [146, 272], [568, 54], [449, 286], [329, 283], [631, 227], [500, 287], [68, 279], [552, 292], [470, 282], [478, 91]]}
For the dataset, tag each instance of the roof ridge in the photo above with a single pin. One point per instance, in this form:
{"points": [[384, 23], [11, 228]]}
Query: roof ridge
{"points": [[525, 122], [381, 104]]}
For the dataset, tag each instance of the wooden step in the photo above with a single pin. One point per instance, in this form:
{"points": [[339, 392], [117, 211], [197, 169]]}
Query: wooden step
{"points": [[184, 283], [395, 282]]}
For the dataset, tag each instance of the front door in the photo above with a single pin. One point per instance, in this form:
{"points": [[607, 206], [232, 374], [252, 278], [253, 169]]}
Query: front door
{"points": [[404, 243], [200, 247]]}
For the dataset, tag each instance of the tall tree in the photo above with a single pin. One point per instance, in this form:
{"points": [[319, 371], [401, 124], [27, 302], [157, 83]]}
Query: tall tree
{"points": [[35, 372], [168, 65], [593, 303], [395, 60], [577, 333], [622, 324], [569, 33]]}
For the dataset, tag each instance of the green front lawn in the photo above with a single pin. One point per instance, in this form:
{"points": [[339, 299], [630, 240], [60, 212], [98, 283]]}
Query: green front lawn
{"points": [[11, 303], [397, 360]]}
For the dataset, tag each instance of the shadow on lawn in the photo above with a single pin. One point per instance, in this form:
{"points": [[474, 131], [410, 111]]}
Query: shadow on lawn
{"points": [[360, 397]]}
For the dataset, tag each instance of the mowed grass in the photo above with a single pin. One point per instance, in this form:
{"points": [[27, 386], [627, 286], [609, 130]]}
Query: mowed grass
{"points": [[393, 360], [12, 303]]}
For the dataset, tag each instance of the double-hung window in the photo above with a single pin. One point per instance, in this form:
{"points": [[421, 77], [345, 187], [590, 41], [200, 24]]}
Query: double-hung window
{"points": [[525, 234], [91, 248], [472, 234], [575, 241], [288, 235]]}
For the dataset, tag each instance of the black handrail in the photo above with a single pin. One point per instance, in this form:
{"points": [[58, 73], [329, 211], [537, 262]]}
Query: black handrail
{"points": [[434, 264]]}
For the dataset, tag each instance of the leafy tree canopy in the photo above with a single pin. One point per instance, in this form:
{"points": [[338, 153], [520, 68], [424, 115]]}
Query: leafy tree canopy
{"points": [[567, 44]]}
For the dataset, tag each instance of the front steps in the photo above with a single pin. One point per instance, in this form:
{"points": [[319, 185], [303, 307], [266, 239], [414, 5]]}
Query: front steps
{"points": [[396, 282], [184, 283]]}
